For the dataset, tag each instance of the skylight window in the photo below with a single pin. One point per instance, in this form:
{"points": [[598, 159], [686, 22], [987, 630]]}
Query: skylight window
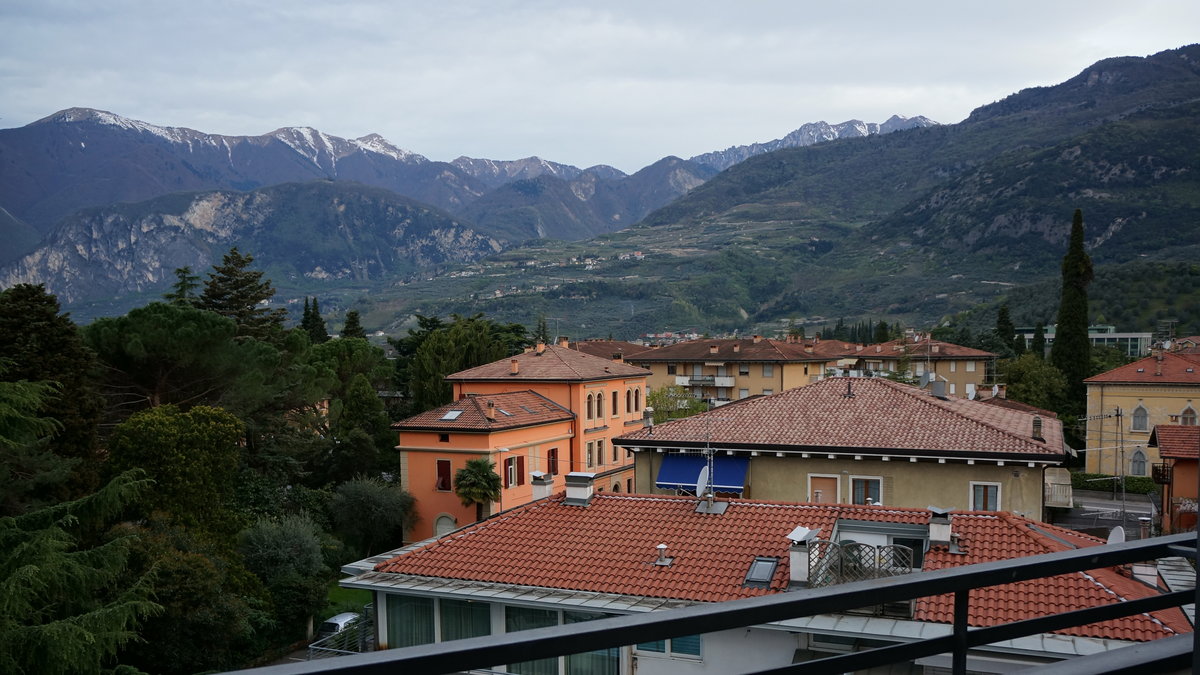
{"points": [[504, 412], [452, 414], [762, 570], [528, 409]]}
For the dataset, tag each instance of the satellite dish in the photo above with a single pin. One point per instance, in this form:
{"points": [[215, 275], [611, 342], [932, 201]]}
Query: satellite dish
{"points": [[702, 482], [1117, 536]]}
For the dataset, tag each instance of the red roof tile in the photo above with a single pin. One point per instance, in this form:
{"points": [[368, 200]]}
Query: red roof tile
{"points": [[1174, 368], [925, 349], [512, 410], [553, 363], [606, 348], [1176, 441], [610, 546], [881, 415], [737, 349]]}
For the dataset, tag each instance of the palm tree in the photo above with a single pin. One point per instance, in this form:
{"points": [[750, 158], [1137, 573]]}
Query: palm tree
{"points": [[477, 483]]}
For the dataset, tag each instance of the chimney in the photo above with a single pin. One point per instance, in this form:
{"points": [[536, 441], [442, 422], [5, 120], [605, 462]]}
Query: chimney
{"points": [[490, 411], [939, 526], [858, 348], [798, 553], [878, 348], [737, 348], [514, 367], [543, 484], [1158, 360], [712, 349], [934, 348], [1001, 391], [541, 347], [618, 357], [562, 341], [757, 339], [808, 349], [579, 488], [1037, 428]]}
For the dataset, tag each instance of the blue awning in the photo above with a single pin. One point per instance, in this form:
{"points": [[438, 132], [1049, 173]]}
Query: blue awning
{"points": [[680, 472]]}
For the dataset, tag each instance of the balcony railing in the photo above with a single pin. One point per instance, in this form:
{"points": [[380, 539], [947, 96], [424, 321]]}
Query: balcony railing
{"points": [[1158, 656]]}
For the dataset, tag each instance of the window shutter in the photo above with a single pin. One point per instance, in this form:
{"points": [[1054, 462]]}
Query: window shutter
{"points": [[505, 476], [520, 469]]}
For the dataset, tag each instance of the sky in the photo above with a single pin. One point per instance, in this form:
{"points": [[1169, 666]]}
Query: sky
{"points": [[614, 82]]}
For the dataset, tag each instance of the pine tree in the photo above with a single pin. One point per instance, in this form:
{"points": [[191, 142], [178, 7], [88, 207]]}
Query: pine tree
{"points": [[313, 324], [183, 291], [1003, 334], [235, 291], [353, 329], [542, 332], [1071, 351], [882, 332]]}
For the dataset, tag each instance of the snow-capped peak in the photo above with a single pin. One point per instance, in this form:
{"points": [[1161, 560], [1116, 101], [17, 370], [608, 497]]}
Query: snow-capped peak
{"points": [[380, 145], [75, 115]]}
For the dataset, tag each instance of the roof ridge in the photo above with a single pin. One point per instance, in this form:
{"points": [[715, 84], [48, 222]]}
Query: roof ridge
{"points": [[951, 407]]}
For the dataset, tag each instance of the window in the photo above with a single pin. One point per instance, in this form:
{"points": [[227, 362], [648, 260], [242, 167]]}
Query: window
{"points": [[615, 400], [443, 438], [591, 406], [461, 619], [443, 476], [985, 496], [863, 489], [1141, 419], [409, 621], [526, 618], [970, 366], [743, 369], [637, 399], [768, 370], [953, 388], [600, 406], [591, 449], [598, 662], [671, 369], [953, 366], [688, 646], [768, 392], [451, 415], [628, 400], [552, 461], [600, 451], [762, 570], [1188, 417], [743, 393], [629, 485], [514, 471], [615, 451], [1137, 463]]}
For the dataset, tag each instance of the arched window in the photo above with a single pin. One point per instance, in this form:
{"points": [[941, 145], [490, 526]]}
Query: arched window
{"points": [[637, 399], [1141, 419], [629, 401], [590, 407], [444, 524], [1188, 417], [600, 406], [616, 487], [1137, 463], [616, 409]]}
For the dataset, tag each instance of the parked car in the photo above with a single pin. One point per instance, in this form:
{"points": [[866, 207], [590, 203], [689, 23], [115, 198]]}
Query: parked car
{"points": [[336, 624]]}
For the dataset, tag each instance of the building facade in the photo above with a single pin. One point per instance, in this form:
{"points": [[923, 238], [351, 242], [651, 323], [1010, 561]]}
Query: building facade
{"points": [[1126, 403], [1179, 448], [852, 440]]}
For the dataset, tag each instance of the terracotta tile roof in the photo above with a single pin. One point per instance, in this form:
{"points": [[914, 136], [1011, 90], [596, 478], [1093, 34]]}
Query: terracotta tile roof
{"points": [[554, 363], [1017, 405], [1175, 368], [880, 416], [925, 349], [606, 348], [1176, 441], [609, 547], [512, 410]]}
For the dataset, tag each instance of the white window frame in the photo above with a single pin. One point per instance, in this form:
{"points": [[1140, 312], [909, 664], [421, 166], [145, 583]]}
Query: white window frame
{"points": [[970, 366], [878, 479], [837, 499], [768, 392], [768, 370], [743, 393], [999, 495]]}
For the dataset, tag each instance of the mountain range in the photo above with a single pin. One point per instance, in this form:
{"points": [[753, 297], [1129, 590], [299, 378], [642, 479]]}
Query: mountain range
{"points": [[904, 219]]}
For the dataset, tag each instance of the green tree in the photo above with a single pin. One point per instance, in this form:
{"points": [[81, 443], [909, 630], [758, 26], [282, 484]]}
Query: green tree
{"points": [[1006, 332], [29, 473], [477, 483], [353, 328], [673, 402], [1071, 351], [285, 554], [313, 324], [883, 332], [41, 344], [1035, 381], [1105, 359], [371, 515], [466, 343], [69, 607], [406, 348], [541, 333], [183, 291], [192, 456], [1038, 345], [235, 291]]}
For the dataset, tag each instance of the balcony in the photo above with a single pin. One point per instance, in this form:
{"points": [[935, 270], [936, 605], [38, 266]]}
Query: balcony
{"points": [[1159, 656], [704, 381]]}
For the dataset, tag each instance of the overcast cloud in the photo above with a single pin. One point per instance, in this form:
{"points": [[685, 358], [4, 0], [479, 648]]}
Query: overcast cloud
{"points": [[620, 83]]}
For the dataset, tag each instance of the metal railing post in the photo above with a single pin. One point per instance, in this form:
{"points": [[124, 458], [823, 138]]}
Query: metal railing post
{"points": [[961, 607]]}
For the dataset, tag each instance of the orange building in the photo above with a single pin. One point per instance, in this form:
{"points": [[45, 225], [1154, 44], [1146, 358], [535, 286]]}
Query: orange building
{"points": [[549, 411], [1179, 447]]}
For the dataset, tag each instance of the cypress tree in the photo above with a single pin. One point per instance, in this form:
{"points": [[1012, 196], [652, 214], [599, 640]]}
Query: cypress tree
{"points": [[353, 329], [1071, 351], [313, 323], [1038, 345], [882, 332]]}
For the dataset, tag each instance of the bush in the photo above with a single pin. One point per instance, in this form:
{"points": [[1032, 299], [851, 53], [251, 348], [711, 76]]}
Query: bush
{"points": [[1143, 485]]}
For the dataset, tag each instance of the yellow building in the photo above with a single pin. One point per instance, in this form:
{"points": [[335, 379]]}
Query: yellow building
{"points": [[857, 440], [1126, 403]]}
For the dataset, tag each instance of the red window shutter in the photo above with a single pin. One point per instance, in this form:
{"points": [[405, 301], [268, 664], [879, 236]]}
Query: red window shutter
{"points": [[520, 469], [507, 463]]}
